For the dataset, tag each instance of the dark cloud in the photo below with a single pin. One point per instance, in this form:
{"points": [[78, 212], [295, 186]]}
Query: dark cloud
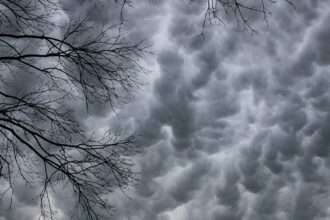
{"points": [[254, 109], [233, 126]]}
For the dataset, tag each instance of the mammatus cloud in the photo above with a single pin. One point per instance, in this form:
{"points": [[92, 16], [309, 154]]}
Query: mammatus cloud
{"points": [[237, 124], [233, 126]]}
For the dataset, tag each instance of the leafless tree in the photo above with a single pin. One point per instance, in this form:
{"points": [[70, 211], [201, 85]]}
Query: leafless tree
{"points": [[240, 10], [41, 140]]}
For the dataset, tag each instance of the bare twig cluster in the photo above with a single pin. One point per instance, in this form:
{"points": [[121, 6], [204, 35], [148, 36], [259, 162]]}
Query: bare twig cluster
{"points": [[240, 10], [41, 141]]}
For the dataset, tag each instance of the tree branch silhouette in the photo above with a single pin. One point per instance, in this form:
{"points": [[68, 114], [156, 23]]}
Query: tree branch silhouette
{"points": [[240, 10], [41, 140]]}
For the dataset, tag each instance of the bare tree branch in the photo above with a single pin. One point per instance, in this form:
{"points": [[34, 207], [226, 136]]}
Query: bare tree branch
{"points": [[241, 10], [89, 62]]}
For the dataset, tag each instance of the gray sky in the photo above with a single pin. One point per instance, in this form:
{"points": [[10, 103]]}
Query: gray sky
{"points": [[233, 126]]}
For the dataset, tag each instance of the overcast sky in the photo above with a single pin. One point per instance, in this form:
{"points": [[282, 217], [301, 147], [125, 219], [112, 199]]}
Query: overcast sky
{"points": [[232, 126]]}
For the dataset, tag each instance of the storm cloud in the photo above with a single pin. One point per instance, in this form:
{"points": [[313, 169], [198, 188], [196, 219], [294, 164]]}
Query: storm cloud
{"points": [[232, 126], [236, 126]]}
